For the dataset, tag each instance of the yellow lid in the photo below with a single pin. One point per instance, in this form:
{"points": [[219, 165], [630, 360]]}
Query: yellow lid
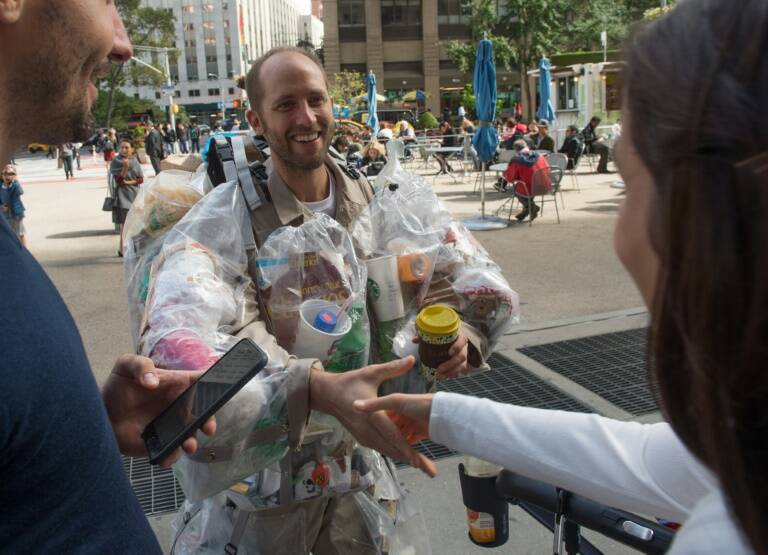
{"points": [[438, 320]]}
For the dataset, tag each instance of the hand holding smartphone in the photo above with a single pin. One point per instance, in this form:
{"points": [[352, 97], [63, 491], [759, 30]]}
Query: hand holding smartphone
{"points": [[202, 399]]}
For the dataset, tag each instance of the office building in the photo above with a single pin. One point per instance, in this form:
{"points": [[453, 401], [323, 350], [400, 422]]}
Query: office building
{"points": [[399, 40], [217, 41], [311, 29]]}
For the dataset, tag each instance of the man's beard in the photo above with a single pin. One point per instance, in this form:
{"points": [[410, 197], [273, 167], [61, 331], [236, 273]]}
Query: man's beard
{"points": [[280, 147], [54, 110]]}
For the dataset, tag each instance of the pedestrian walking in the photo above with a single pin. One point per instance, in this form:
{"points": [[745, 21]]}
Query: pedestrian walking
{"points": [[78, 146], [194, 137], [169, 136], [66, 152], [182, 133], [153, 144], [10, 202], [127, 174], [110, 143]]}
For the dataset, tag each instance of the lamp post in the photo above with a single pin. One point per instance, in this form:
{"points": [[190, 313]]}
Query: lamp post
{"points": [[166, 73]]}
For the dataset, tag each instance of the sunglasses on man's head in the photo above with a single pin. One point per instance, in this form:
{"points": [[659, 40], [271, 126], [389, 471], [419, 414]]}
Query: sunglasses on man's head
{"points": [[9, 174]]}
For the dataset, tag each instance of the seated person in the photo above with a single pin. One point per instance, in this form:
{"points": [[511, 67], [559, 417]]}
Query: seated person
{"points": [[385, 134], [467, 127], [542, 140], [341, 144], [511, 133], [448, 138], [595, 143], [572, 146], [519, 174], [405, 132], [373, 159]]}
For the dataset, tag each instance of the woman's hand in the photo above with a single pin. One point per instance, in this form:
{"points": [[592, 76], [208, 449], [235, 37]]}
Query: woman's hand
{"points": [[410, 413]]}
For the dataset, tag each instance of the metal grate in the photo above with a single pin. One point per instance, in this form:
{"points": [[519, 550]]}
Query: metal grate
{"points": [[155, 487], [611, 365], [505, 382]]}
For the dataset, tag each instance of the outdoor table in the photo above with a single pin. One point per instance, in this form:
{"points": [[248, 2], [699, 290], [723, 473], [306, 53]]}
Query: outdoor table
{"points": [[447, 150]]}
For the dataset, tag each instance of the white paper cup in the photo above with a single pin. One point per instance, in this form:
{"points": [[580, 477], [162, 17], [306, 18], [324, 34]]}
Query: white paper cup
{"points": [[384, 288], [312, 342]]}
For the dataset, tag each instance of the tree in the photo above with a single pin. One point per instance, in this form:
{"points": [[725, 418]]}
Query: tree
{"points": [[482, 24], [346, 85], [146, 27], [427, 120], [533, 31], [123, 106]]}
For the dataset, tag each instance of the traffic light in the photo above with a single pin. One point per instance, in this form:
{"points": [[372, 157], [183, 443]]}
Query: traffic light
{"points": [[236, 104], [175, 108]]}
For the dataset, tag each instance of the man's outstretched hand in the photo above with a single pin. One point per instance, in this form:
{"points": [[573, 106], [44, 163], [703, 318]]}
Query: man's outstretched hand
{"points": [[136, 393], [335, 394]]}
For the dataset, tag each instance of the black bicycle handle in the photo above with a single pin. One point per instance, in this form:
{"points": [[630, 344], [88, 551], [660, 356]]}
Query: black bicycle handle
{"points": [[622, 526]]}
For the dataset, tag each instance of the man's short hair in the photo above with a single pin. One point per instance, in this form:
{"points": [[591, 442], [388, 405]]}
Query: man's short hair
{"points": [[519, 145], [253, 84], [573, 129], [595, 119]]}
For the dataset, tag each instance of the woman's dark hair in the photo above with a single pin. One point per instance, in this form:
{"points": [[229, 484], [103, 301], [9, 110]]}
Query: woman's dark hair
{"points": [[696, 85]]}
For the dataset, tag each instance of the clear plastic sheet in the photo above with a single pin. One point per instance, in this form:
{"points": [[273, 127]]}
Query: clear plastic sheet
{"points": [[298, 268]]}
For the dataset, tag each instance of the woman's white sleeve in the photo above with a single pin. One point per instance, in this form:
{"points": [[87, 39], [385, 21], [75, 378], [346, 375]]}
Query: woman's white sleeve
{"points": [[643, 468]]}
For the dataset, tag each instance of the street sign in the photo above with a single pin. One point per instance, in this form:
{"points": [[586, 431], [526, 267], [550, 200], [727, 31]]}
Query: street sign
{"points": [[168, 89], [221, 105], [229, 104]]}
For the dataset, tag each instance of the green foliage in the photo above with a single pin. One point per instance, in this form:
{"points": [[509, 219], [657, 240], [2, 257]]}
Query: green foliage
{"points": [[123, 107], [138, 136], [346, 85], [483, 23], [145, 27], [468, 101], [427, 120]]}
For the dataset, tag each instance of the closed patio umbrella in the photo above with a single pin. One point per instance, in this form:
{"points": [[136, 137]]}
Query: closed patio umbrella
{"points": [[373, 118], [485, 140], [545, 111]]}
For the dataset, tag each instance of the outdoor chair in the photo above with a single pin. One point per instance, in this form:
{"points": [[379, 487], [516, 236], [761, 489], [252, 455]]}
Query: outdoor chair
{"points": [[560, 161], [574, 166], [545, 185]]}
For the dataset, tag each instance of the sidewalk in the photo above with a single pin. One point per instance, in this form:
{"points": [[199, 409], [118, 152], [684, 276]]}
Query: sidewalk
{"points": [[568, 278]]}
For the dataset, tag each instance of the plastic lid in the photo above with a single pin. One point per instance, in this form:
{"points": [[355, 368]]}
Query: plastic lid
{"points": [[438, 320], [325, 321]]}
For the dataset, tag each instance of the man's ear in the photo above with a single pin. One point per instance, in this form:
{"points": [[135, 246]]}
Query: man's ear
{"points": [[254, 121], [10, 10]]}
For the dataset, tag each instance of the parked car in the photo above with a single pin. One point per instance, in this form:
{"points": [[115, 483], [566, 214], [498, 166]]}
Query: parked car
{"points": [[37, 147]]}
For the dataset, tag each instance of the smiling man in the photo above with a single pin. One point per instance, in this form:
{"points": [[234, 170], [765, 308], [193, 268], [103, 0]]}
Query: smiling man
{"points": [[62, 485]]}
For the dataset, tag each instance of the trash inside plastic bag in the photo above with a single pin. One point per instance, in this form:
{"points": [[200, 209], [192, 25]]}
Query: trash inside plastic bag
{"points": [[406, 219], [313, 287], [159, 205]]}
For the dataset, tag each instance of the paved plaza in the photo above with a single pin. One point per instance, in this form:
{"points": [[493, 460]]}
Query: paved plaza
{"points": [[569, 280]]}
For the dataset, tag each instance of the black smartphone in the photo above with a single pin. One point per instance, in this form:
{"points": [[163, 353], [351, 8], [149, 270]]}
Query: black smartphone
{"points": [[202, 399]]}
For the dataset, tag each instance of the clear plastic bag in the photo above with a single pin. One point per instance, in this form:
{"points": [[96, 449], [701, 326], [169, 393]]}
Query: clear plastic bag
{"points": [[309, 269], [406, 218], [159, 205]]}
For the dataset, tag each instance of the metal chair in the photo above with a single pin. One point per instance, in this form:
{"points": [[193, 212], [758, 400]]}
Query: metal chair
{"points": [[558, 160], [544, 184]]}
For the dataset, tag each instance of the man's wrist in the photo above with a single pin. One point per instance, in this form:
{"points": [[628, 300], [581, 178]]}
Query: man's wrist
{"points": [[318, 396]]}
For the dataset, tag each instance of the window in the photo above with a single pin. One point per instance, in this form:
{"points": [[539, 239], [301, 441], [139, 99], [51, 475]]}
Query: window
{"points": [[208, 7], [453, 12], [612, 91], [189, 26], [351, 20], [157, 95], [400, 12], [190, 44], [231, 90], [567, 93], [194, 92], [213, 92], [188, 9]]}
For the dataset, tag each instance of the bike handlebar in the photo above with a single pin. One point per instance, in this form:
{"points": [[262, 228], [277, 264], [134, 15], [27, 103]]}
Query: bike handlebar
{"points": [[622, 526]]}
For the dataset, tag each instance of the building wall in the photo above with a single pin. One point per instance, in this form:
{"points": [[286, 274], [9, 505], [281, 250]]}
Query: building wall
{"points": [[403, 57], [217, 41], [312, 28]]}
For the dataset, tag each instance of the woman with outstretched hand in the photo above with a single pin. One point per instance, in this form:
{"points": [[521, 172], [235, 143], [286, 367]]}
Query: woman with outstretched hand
{"points": [[692, 234]]}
